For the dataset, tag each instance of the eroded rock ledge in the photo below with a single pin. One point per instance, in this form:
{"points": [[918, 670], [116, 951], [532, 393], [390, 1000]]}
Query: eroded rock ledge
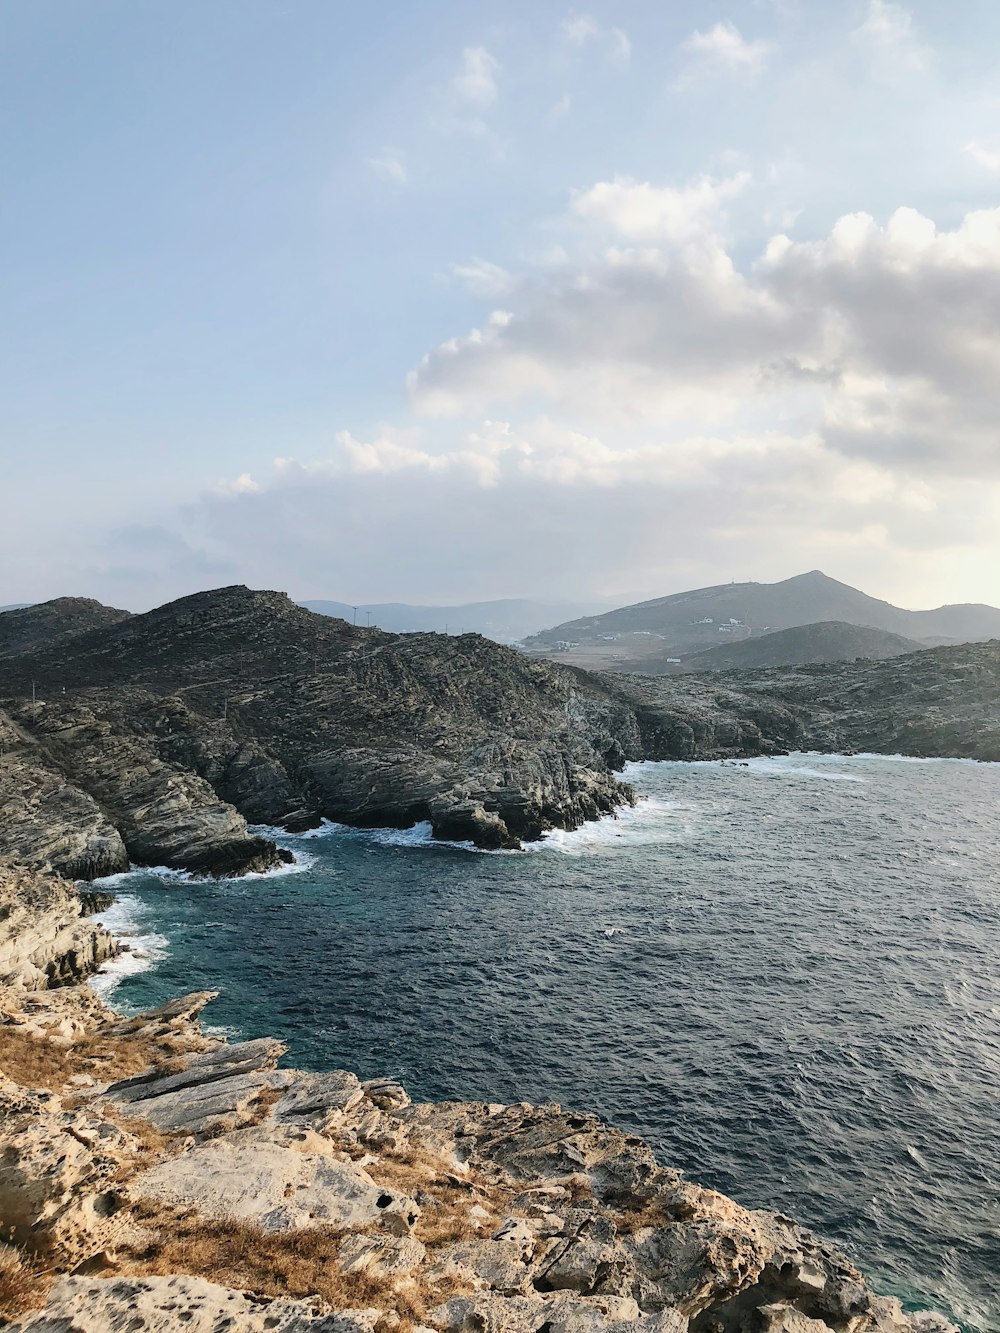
{"points": [[155, 1179], [45, 938]]}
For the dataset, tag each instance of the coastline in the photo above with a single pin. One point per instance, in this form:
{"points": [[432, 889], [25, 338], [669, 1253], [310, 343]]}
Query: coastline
{"points": [[445, 1217]]}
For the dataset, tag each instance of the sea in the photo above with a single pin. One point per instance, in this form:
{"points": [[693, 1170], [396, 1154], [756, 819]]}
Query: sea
{"points": [[783, 973]]}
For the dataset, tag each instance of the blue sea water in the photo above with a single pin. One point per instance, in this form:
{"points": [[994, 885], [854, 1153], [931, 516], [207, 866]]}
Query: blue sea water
{"points": [[785, 974]]}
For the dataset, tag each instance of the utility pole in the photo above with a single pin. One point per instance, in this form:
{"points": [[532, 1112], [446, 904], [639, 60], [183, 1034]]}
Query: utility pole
{"points": [[32, 695]]}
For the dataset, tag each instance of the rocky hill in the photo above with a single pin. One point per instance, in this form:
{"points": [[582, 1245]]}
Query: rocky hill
{"points": [[941, 702], [506, 620], [828, 641], [155, 738], [642, 637], [156, 1179], [25, 628]]}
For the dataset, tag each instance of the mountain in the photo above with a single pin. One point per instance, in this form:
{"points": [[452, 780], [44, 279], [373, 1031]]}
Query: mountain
{"points": [[33, 626], [828, 641], [644, 636], [506, 621]]}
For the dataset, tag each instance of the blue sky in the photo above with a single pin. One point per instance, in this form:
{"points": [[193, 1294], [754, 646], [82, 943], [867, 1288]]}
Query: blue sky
{"points": [[437, 302]]}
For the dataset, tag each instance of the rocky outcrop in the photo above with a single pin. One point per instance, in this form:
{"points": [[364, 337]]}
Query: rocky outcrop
{"points": [[45, 938], [943, 702], [25, 628], [178, 1303], [213, 1189], [155, 1159], [180, 725]]}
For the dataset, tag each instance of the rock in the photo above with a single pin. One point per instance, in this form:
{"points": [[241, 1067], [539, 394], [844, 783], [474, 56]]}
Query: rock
{"points": [[283, 1177], [178, 1304], [381, 1256], [182, 723], [535, 1218], [45, 939], [58, 1175]]}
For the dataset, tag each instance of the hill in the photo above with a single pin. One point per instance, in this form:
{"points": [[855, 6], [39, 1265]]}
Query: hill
{"points": [[506, 621], [828, 641], [645, 635], [155, 738], [33, 626]]}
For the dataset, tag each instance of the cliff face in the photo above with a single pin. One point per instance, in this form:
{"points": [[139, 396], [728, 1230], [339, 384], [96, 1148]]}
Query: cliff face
{"points": [[156, 1179], [45, 939], [942, 702]]}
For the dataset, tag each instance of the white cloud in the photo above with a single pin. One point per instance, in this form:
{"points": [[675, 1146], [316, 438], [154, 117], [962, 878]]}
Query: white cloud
{"points": [[389, 166], [640, 211], [483, 278], [987, 158], [583, 28], [504, 508], [476, 80], [883, 340], [889, 37], [723, 50]]}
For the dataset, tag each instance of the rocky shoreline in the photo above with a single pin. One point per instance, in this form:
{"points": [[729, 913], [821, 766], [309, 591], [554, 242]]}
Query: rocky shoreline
{"points": [[159, 739], [155, 1178]]}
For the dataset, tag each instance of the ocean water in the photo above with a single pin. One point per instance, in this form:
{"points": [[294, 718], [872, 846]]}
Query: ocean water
{"points": [[785, 974]]}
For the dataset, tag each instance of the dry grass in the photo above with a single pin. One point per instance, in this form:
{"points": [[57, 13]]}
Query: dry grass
{"points": [[446, 1199], [37, 1062], [652, 1213], [293, 1265], [23, 1286]]}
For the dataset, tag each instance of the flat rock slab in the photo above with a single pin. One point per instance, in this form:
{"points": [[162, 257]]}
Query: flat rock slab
{"points": [[282, 1177], [178, 1304]]}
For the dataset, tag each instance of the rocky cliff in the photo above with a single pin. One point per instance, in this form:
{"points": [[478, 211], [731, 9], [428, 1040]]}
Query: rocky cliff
{"points": [[157, 738], [153, 1178], [942, 702], [45, 938]]}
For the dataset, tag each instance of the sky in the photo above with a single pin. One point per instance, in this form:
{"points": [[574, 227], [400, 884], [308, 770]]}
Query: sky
{"points": [[440, 302]]}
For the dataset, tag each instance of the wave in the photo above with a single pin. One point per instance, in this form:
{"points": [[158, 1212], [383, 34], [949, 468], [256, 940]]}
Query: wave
{"points": [[652, 821], [140, 949]]}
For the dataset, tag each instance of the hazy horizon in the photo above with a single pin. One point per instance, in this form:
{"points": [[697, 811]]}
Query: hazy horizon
{"points": [[432, 305], [539, 600]]}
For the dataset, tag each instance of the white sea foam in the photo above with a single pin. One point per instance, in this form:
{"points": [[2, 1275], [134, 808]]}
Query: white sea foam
{"points": [[141, 949], [651, 821], [778, 768]]}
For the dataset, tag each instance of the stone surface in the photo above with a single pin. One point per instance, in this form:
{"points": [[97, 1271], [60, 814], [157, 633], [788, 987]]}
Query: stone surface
{"points": [[283, 1177], [45, 938], [178, 1304]]}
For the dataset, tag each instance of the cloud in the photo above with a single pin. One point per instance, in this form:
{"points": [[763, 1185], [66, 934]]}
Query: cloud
{"points": [[640, 211], [883, 340], [581, 29], [389, 166], [722, 51], [506, 508], [483, 278], [987, 158], [476, 80], [889, 38]]}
